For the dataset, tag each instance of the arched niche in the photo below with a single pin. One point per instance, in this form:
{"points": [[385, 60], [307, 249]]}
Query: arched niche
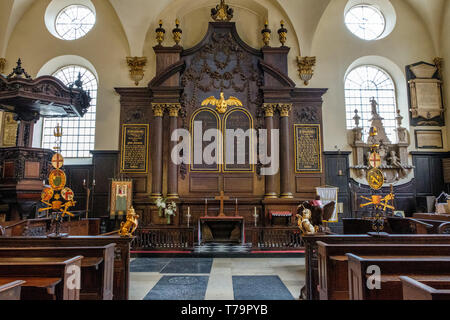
{"points": [[239, 141], [202, 121]]}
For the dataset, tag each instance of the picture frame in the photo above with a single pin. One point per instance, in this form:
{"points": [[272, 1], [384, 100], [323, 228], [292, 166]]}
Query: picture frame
{"points": [[121, 197]]}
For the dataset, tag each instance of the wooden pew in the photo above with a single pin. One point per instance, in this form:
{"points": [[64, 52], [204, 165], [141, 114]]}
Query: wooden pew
{"points": [[425, 290], [42, 287], [333, 266], [392, 268], [121, 254], [310, 242], [44, 267], [97, 266], [10, 290]]}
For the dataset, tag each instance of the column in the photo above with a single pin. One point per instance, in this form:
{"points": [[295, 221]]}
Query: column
{"points": [[285, 149], [269, 109], [157, 165], [172, 193]]}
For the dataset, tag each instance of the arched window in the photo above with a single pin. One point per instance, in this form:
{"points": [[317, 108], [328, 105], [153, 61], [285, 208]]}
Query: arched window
{"points": [[79, 133], [361, 85]]}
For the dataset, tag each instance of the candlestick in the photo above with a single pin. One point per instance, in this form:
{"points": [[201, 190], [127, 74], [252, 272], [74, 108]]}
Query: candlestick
{"points": [[256, 217], [236, 211], [189, 216]]}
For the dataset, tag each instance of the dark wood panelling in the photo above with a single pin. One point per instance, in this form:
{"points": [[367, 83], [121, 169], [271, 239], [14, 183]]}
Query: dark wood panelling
{"points": [[337, 174], [429, 173], [204, 183], [105, 168], [75, 177], [307, 184], [238, 184]]}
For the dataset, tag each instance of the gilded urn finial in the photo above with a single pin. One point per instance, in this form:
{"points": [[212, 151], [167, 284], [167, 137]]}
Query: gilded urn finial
{"points": [[222, 12], [283, 33], [266, 32], [177, 32], [160, 32]]}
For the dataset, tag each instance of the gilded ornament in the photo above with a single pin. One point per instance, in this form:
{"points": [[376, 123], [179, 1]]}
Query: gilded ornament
{"points": [[57, 179], [129, 227], [282, 32], [375, 178], [306, 68], [57, 161], [160, 33], [269, 109], [285, 109], [222, 12], [174, 109], [177, 32], [266, 32], [222, 104], [158, 109], [136, 65]]}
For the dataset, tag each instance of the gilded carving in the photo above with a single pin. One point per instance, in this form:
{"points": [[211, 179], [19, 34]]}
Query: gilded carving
{"points": [[266, 33], [269, 109], [306, 68], [222, 12], [9, 130], [158, 109], [177, 32], [174, 109], [285, 109], [136, 65], [282, 32], [160, 33]]}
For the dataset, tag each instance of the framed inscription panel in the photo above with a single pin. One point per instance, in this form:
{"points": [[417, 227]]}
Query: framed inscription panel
{"points": [[134, 152], [308, 148], [429, 139]]}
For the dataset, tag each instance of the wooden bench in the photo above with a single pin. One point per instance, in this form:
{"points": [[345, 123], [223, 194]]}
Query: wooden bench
{"points": [[392, 268], [333, 266], [61, 268], [310, 242], [121, 254], [42, 287], [425, 290], [10, 290], [97, 266]]}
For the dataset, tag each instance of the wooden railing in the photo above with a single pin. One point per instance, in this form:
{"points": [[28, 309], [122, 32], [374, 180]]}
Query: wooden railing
{"points": [[276, 238], [167, 238]]}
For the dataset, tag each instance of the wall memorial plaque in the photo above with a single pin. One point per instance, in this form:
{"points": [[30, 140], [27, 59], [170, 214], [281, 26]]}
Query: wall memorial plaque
{"points": [[135, 144], [308, 149], [429, 139]]}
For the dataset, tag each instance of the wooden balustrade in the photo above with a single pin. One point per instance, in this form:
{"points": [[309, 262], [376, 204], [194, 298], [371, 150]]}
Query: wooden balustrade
{"points": [[276, 238], [179, 238]]}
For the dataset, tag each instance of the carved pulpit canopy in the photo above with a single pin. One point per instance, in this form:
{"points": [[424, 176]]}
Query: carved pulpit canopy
{"points": [[44, 97]]}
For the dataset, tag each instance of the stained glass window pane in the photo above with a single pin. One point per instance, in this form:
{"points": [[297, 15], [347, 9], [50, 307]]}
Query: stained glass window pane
{"points": [[79, 133]]}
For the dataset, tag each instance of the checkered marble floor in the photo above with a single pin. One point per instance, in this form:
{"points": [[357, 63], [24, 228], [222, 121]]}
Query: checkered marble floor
{"points": [[216, 278]]}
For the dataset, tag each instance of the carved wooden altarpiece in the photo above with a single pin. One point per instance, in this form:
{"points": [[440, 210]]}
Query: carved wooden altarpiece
{"points": [[222, 62]]}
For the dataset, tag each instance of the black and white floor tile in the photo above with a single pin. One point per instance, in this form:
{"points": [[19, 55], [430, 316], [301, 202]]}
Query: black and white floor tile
{"points": [[216, 278]]}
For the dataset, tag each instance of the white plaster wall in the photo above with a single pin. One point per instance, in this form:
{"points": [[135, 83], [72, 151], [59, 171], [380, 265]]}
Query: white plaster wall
{"points": [[315, 28]]}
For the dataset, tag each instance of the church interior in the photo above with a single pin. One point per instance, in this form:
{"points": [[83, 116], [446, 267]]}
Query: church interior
{"points": [[224, 150]]}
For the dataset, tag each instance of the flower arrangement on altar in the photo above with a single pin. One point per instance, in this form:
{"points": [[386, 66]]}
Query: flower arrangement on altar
{"points": [[166, 209]]}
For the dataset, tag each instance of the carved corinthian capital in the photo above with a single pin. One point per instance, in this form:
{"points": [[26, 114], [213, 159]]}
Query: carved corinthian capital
{"points": [[285, 109], [269, 109], [174, 109], [158, 109]]}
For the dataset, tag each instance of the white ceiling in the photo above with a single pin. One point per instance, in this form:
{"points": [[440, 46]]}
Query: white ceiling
{"points": [[137, 16]]}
